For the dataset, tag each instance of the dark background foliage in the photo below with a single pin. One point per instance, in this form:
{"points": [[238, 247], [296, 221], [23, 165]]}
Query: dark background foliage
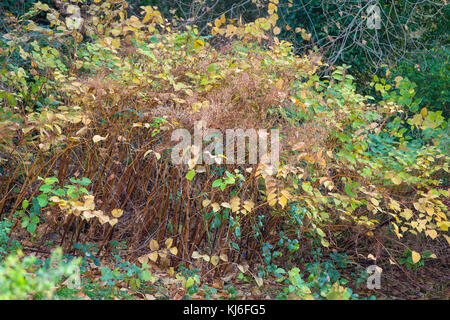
{"points": [[413, 40]]}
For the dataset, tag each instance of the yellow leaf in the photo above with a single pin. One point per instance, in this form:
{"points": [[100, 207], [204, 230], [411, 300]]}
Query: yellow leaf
{"points": [[283, 201], [103, 219], [225, 205], [259, 281], [173, 251], [276, 31], [215, 260], [147, 18], [306, 36], [153, 256], [407, 214], [397, 180], [115, 32], [431, 233], [143, 259], [447, 238], [98, 138], [196, 255], [271, 8], [415, 257], [168, 243], [249, 205], [279, 83], [418, 207], [395, 205], [423, 112], [117, 213], [206, 202], [242, 268], [429, 210], [216, 206], [286, 194], [224, 257], [234, 203], [198, 44], [154, 245], [112, 222], [115, 43]]}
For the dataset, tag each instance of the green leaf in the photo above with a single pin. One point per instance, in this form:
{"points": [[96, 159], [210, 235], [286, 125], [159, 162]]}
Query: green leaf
{"points": [[306, 186], [72, 193], [348, 190], [45, 188], [83, 190], [43, 200], [230, 180], [25, 222], [146, 275], [189, 282], [11, 100], [74, 180], [59, 192], [212, 68], [85, 181], [25, 204], [51, 180], [31, 228], [190, 175], [217, 183]]}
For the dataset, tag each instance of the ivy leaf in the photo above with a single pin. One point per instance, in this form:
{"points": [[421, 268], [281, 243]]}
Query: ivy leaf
{"points": [[146, 276], [85, 181], [31, 228]]}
